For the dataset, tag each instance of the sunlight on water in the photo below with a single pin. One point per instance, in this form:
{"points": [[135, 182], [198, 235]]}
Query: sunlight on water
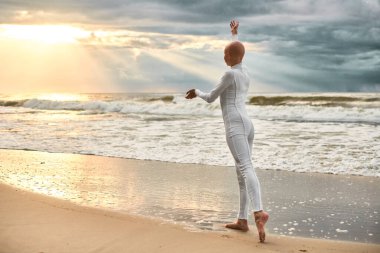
{"points": [[201, 197]]}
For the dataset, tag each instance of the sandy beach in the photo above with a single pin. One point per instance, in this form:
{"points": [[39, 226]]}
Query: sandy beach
{"points": [[35, 222], [32, 222], [164, 126]]}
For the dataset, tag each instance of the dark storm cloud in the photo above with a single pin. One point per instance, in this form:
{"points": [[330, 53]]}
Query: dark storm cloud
{"points": [[118, 11], [335, 42], [345, 54]]}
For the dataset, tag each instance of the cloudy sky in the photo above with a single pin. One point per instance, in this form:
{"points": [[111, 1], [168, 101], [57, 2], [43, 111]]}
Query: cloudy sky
{"points": [[174, 45]]}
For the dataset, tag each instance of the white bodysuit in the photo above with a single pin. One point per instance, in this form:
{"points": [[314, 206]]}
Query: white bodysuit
{"points": [[232, 91]]}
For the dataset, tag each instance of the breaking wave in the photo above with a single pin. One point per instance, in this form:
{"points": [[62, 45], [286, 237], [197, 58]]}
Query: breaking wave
{"points": [[312, 108]]}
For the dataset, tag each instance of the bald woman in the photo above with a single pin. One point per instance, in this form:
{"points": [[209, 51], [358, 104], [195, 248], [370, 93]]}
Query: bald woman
{"points": [[232, 90]]}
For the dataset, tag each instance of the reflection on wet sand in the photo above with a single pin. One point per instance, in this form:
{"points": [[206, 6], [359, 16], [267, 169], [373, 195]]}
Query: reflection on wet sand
{"points": [[199, 196]]}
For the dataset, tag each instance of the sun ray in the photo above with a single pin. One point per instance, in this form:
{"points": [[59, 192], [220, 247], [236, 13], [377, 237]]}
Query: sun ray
{"points": [[191, 65]]}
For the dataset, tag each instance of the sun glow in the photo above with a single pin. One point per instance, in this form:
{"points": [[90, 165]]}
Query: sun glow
{"points": [[47, 34]]}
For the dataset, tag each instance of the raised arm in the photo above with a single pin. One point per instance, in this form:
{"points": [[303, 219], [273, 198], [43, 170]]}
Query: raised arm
{"points": [[225, 81], [234, 29]]}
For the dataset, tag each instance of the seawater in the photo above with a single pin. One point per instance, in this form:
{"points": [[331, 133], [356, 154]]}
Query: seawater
{"points": [[326, 133]]}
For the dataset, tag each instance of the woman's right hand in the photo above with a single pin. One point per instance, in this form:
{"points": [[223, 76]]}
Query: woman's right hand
{"points": [[191, 94], [234, 27]]}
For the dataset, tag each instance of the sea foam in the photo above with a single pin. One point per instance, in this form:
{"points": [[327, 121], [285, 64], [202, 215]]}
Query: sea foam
{"points": [[300, 138]]}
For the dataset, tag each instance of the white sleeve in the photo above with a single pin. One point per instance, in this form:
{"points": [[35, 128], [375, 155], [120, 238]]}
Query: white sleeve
{"points": [[226, 80], [235, 37]]}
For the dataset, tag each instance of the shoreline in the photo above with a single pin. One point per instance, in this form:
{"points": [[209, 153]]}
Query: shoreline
{"points": [[54, 225], [195, 164], [297, 202]]}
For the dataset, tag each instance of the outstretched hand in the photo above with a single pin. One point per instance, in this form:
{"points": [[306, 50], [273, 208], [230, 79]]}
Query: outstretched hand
{"points": [[234, 27], [191, 94]]}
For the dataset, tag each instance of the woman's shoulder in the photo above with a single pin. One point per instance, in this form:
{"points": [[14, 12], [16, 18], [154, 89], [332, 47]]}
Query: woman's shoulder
{"points": [[228, 75]]}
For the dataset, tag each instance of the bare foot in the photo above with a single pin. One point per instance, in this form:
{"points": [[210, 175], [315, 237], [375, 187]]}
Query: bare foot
{"points": [[260, 219], [241, 224]]}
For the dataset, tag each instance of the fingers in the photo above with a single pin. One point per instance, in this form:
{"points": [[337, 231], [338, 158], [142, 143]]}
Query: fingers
{"points": [[190, 94], [234, 24]]}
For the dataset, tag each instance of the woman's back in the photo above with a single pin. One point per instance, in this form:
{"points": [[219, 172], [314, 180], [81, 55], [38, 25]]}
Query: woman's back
{"points": [[232, 101]]}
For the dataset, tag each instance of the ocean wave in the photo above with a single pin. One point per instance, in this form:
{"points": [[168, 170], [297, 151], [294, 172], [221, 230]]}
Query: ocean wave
{"points": [[346, 142], [330, 101], [305, 113], [164, 98], [283, 108], [12, 102], [164, 105]]}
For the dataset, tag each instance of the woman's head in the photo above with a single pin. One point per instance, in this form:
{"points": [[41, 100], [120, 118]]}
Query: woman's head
{"points": [[234, 53]]}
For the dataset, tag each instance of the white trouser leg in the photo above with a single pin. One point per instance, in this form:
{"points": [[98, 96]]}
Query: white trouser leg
{"points": [[243, 198], [240, 146]]}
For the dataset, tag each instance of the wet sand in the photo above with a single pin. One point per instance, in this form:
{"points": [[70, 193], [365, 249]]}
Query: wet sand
{"points": [[32, 222], [202, 197], [301, 204]]}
